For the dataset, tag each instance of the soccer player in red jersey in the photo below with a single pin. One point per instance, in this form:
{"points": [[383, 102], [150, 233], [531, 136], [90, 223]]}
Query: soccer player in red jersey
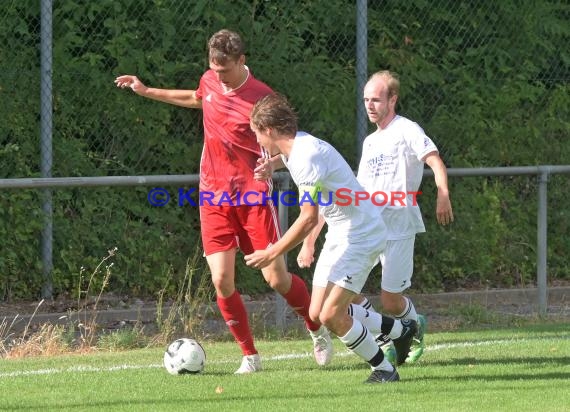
{"points": [[226, 95]]}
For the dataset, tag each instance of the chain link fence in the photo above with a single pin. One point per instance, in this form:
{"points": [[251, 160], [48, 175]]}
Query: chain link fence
{"points": [[517, 48], [100, 130], [164, 43], [456, 60]]}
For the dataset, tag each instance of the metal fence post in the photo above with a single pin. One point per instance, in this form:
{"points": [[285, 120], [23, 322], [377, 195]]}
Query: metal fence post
{"points": [[280, 304], [541, 238], [361, 72], [46, 126]]}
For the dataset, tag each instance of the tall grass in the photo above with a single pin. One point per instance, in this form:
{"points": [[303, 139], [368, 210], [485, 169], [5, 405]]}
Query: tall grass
{"points": [[181, 314], [51, 339], [88, 327], [185, 313]]}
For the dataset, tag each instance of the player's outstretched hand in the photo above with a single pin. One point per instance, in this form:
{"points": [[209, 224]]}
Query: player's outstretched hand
{"points": [[128, 80]]}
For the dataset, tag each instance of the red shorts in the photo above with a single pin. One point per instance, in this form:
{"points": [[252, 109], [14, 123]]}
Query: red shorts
{"points": [[247, 227]]}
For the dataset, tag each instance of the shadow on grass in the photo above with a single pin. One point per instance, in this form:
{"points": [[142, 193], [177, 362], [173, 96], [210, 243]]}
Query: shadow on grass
{"points": [[563, 361], [534, 377], [175, 403]]}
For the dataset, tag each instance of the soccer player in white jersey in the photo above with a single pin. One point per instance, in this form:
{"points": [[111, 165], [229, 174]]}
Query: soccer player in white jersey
{"points": [[393, 159], [356, 236]]}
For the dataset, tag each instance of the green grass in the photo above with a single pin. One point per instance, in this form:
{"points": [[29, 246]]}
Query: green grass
{"points": [[522, 369]]}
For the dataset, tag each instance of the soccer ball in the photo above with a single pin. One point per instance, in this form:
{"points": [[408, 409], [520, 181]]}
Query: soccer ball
{"points": [[184, 356]]}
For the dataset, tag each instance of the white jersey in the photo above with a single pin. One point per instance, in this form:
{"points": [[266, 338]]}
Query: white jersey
{"points": [[323, 176], [392, 163]]}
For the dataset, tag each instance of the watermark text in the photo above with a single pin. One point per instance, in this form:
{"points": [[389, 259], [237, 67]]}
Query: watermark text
{"points": [[159, 197]]}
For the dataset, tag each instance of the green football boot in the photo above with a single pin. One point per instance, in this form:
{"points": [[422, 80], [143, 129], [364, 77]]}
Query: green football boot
{"points": [[418, 345], [389, 352]]}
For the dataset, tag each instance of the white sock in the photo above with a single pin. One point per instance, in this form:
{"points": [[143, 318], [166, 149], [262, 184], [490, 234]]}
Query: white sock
{"points": [[370, 320], [360, 341], [409, 311], [384, 366], [396, 331], [366, 304]]}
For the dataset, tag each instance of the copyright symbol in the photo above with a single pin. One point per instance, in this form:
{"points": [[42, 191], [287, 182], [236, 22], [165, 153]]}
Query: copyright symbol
{"points": [[158, 197]]}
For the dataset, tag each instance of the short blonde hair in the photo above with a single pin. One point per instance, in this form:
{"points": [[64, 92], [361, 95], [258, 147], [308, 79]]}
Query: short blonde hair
{"points": [[392, 80]]}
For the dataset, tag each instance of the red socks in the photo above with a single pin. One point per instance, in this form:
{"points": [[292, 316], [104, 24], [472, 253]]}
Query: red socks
{"points": [[234, 313], [299, 299]]}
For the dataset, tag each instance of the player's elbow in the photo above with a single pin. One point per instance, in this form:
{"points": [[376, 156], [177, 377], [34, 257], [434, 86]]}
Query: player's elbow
{"points": [[310, 222]]}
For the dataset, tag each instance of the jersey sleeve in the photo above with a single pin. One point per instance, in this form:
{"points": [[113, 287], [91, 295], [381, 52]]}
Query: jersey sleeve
{"points": [[310, 177], [419, 143], [200, 89]]}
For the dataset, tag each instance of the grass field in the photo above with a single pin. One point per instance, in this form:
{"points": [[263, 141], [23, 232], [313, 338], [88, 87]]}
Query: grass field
{"points": [[522, 369]]}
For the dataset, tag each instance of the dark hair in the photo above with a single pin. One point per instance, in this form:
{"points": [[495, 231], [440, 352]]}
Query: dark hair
{"points": [[274, 112], [225, 45]]}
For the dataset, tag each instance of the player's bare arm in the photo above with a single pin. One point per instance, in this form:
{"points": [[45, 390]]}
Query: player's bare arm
{"points": [[184, 98], [444, 211], [308, 219], [306, 255]]}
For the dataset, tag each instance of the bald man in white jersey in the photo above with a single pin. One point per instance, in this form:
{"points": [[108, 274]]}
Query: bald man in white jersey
{"points": [[393, 159]]}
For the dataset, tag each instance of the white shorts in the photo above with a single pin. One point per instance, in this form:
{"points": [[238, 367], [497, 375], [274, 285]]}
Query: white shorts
{"points": [[347, 264], [397, 265]]}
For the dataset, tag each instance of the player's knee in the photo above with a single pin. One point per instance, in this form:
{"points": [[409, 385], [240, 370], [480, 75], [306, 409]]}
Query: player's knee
{"points": [[278, 284], [278, 281], [314, 314], [327, 318], [224, 286], [393, 304]]}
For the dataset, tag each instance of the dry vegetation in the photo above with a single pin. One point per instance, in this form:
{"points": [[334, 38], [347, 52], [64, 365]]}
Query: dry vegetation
{"points": [[84, 334]]}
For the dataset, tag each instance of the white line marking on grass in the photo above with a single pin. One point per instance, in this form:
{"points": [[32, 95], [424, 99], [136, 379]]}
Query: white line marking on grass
{"points": [[443, 346], [282, 357], [72, 369]]}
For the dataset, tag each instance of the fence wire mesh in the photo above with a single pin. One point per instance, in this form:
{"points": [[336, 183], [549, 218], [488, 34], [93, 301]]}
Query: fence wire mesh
{"points": [[164, 43]]}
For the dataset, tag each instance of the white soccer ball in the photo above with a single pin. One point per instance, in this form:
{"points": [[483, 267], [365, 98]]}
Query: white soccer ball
{"points": [[184, 356]]}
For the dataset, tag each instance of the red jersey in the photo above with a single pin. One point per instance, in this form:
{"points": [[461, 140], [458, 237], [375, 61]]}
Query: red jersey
{"points": [[230, 148]]}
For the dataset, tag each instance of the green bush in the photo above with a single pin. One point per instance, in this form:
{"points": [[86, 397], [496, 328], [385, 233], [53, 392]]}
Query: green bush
{"points": [[495, 99]]}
